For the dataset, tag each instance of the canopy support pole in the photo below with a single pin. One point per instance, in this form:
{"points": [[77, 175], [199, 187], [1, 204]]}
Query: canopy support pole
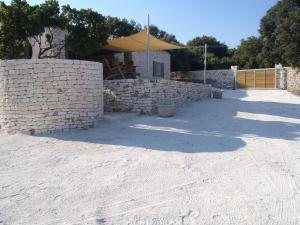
{"points": [[148, 47], [204, 74]]}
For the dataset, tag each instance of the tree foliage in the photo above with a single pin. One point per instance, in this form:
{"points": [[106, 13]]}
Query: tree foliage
{"points": [[218, 54], [44, 15], [215, 47], [19, 21], [87, 30], [163, 35], [248, 53], [280, 32], [46, 18], [13, 23], [279, 40], [180, 60], [121, 27]]}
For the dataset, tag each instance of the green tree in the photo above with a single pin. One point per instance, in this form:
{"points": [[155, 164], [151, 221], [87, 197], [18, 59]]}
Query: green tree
{"points": [[121, 27], [214, 46], [289, 39], [45, 16], [14, 28], [19, 21], [248, 53], [218, 54], [180, 60], [87, 30], [280, 32], [163, 35]]}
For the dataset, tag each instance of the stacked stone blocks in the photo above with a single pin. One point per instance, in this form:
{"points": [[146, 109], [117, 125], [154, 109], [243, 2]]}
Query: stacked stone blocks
{"points": [[43, 95], [293, 79], [143, 95], [288, 78], [224, 79]]}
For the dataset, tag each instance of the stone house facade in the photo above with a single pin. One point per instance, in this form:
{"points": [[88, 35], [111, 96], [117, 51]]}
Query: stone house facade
{"points": [[40, 46], [159, 64]]}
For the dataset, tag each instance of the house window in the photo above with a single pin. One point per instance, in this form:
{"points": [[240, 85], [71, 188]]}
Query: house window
{"points": [[158, 69]]}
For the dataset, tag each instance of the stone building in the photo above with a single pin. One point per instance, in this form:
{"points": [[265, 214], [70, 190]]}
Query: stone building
{"points": [[159, 61], [50, 44]]}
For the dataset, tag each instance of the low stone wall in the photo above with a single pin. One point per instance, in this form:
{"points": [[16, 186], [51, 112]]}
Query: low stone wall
{"points": [[45, 95], [142, 96], [287, 78], [224, 79], [293, 80]]}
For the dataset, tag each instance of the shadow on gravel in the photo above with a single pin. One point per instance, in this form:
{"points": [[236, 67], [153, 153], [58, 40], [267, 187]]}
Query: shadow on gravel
{"points": [[207, 126]]}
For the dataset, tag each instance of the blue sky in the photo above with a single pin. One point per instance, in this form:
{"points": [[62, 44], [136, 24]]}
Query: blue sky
{"points": [[227, 20]]}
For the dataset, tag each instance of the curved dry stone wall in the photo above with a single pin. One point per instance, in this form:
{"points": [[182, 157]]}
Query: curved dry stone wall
{"points": [[43, 95], [143, 95]]}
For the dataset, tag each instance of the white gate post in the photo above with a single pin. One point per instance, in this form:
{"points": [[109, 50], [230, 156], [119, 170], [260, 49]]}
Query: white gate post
{"points": [[235, 69]]}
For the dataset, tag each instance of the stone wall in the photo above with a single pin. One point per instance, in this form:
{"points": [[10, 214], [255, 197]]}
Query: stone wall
{"points": [[45, 95], [287, 78], [143, 95], [281, 77], [293, 79], [224, 79]]}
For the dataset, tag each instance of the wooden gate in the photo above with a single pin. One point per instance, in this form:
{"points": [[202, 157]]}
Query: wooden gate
{"points": [[257, 78]]}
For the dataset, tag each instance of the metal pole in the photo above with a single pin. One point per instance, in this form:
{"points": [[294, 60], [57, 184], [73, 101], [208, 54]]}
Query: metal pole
{"points": [[235, 83], [204, 74], [254, 80], [148, 47]]}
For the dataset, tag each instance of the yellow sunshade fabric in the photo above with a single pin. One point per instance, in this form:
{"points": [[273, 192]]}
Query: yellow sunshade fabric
{"points": [[138, 43]]}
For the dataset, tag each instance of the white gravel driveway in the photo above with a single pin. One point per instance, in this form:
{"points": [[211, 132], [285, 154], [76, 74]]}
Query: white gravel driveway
{"points": [[231, 161]]}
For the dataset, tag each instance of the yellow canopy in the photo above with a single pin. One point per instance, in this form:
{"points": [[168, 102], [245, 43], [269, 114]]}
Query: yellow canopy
{"points": [[138, 43]]}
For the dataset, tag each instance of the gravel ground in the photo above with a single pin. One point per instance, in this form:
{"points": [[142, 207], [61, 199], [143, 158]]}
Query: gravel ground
{"points": [[231, 161]]}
